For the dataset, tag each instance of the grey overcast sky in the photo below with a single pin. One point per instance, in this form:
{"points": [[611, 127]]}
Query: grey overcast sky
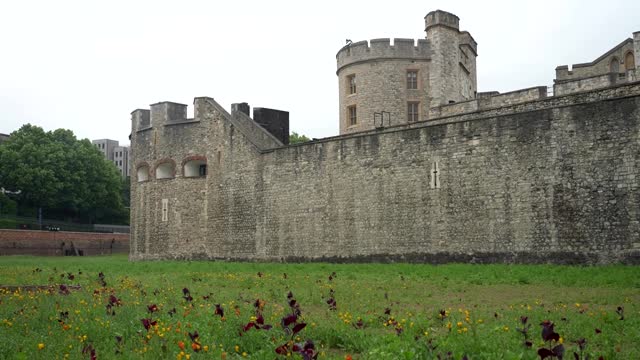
{"points": [[85, 65]]}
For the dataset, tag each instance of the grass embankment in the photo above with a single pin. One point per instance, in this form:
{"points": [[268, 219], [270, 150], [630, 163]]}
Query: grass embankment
{"points": [[382, 311]]}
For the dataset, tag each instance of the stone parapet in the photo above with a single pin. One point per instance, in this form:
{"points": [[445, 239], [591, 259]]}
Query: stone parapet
{"points": [[378, 49]]}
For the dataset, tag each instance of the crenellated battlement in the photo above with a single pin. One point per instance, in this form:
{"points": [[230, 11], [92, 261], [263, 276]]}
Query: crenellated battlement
{"points": [[376, 49], [163, 113]]}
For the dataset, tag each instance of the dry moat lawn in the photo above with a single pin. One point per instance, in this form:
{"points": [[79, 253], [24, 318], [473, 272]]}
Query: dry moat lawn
{"points": [[201, 310]]}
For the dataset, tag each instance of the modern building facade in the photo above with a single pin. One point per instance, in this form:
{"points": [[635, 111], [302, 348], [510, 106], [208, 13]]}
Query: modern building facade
{"points": [[115, 153]]}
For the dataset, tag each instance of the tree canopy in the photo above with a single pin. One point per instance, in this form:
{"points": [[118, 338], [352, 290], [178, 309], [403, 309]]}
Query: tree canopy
{"points": [[68, 178], [295, 138]]}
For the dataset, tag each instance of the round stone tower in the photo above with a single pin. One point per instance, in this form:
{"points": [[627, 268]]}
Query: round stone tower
{"points": [[377, 77], [384, 84]]}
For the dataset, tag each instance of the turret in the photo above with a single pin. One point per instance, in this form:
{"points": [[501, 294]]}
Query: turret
{"points": [[167, 112], [452, 75], [140, 120]]}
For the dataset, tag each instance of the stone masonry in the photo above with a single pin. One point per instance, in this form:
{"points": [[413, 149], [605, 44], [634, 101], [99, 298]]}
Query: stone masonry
{"points": [[514, 177], [444, 62]]}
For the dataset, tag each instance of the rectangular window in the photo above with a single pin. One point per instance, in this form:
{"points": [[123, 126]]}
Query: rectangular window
{"points": [[202, 170], [165, 209], [412, 79], [351, 80], [413, 112], [353, 118]]}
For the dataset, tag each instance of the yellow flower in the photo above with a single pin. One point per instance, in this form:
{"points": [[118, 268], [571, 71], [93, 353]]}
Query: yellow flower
{"points": [[506, 328], [561, 340], [237, 348], [459, 323], [40, 346], [244, 354]]}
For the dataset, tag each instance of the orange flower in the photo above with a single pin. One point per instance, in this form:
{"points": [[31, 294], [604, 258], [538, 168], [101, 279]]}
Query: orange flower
{"points": [[181, 345], [195, 346], [348, 357]]}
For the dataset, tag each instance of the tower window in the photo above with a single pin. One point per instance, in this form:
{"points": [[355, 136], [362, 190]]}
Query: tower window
{"points": [[614, 66], [413, 111], [629, 62], [194, 166], [165, 170], [351, 80], [353, 118], [143, 173], [412, 79]]}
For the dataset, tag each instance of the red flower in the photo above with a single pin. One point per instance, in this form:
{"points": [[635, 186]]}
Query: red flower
{"points": [[148, 323]]}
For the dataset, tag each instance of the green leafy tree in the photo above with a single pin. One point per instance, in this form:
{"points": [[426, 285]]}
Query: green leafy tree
{"points": [[67, 177], [295, 138], [7, 205]]}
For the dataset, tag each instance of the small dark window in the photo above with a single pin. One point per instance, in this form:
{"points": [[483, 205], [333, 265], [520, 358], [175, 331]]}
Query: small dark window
{"points": [[353, 118], [202, 170], [412, 79], [413, 111], [351, 79]]}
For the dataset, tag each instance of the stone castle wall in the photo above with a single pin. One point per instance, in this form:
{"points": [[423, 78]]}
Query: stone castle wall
{"points": [[550, 180], [594, 82], [489, 101], [601, 65]]}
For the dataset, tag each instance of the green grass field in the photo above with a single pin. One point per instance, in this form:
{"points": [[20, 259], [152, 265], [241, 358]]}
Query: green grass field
{"points": [[167, 310]]}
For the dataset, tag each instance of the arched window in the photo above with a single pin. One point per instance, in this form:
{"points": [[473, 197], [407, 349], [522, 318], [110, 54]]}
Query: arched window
{"points": [[166, 169], [142, 172], [614, 66], [194, 166], [629, 61]]}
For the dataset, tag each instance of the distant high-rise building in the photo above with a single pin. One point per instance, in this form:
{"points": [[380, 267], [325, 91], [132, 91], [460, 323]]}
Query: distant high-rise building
{"points": [[3, 138], [112, 151]]}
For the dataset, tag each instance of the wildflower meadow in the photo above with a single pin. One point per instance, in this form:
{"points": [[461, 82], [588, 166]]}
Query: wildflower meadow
{"points": [[109, 308]]}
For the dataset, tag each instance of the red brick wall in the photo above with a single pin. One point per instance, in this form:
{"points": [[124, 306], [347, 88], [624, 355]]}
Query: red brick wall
{"points": [[57, 243]]}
